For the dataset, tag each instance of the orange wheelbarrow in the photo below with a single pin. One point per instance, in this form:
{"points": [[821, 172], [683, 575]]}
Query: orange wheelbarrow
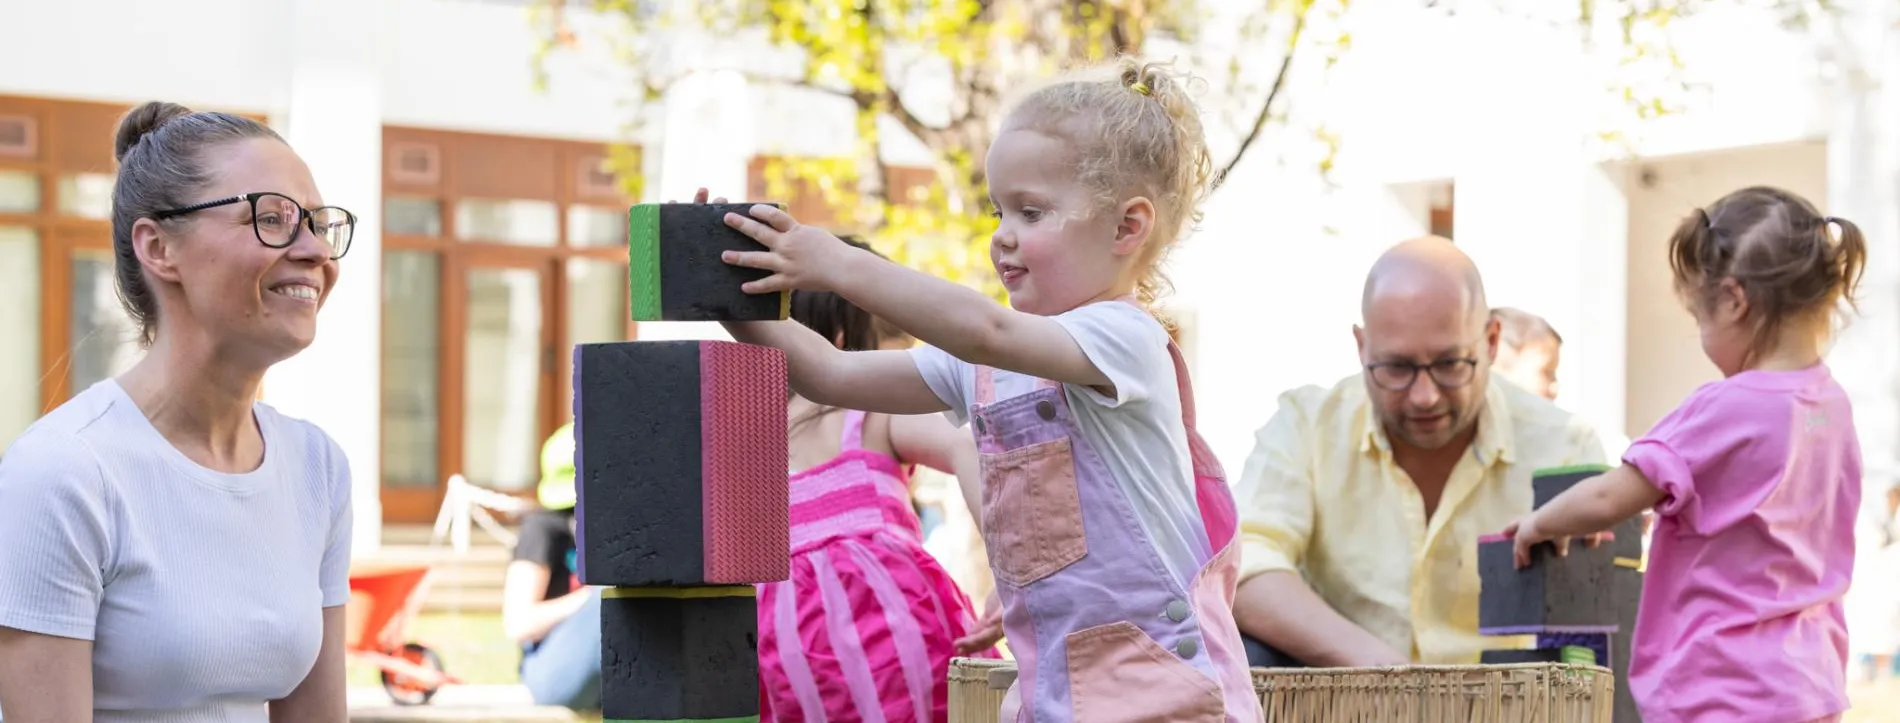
{"points": [[383, 599]]}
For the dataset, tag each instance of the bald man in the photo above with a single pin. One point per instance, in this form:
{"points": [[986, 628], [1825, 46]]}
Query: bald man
{"points": [[1361, 505]]}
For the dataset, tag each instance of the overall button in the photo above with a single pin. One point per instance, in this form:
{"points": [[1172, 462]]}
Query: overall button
{"points": [[1046, 409], [1187, 648], [981, 428], [1177, 611]]}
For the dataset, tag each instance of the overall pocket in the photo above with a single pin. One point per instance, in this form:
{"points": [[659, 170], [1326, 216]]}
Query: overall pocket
{"points": [[1117, 674], [1032, 512]]}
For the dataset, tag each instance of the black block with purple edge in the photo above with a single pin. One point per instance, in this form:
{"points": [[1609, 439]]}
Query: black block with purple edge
{"points": [[680, 464], [1551, 591], [1599, 639], [668, 658]]}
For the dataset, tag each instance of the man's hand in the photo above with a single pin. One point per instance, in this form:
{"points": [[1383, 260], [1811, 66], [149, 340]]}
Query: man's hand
{"points": [[988, 630]]}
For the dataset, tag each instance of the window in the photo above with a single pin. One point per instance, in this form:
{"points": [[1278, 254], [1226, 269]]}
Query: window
{"points": [[59, 308], [500, 254]]}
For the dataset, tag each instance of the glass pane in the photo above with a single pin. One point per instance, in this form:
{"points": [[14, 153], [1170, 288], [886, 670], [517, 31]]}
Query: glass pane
{"points": [[515, 221], [595, 226], [19, 192], [20, 326], [412, 217], [596, 310], [501, 381], [412, 343], [105, 342], [86, 195]]}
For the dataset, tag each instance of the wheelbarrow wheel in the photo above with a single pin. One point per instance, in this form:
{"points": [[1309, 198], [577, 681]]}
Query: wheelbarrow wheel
{"points": [[405, 690]]}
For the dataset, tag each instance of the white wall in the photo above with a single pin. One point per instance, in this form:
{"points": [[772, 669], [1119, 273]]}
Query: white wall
{"points": [[1665, 359]]}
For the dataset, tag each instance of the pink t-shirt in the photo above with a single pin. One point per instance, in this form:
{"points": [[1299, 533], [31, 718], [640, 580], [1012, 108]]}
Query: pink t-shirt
{"points": [[1741, 615]]}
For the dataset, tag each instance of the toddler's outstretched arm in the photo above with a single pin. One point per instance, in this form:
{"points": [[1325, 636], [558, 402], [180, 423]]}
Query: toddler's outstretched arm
{"points": [[1594, 505], [873, 381], [951, 317]]}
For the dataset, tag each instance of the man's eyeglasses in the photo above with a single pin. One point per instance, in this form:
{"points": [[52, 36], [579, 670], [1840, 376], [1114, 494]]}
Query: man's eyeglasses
{"points": [[275, 218], [1447, 373]]}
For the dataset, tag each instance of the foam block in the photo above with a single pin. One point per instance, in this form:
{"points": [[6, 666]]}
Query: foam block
{"points": [[1599, 641], [1512, 657], [1546, 484], [678, 658], [1552, 591], [675, 273], [680, 462]]}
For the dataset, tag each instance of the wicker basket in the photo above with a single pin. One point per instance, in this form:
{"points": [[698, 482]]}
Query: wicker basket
{"points": [[1527, 693]]}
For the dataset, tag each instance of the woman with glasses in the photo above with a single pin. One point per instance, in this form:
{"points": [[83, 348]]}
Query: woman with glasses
{"points": [[174, 549]]}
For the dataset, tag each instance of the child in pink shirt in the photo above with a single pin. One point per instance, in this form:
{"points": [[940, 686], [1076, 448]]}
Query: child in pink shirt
{"points": [[1755, 479]]}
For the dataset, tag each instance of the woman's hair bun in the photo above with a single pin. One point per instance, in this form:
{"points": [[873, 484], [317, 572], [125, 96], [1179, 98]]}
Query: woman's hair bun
{"points": [[145, 119]]}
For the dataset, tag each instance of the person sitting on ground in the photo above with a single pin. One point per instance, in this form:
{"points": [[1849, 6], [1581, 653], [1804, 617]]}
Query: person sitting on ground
{"points": [[545, 609], [1361, 505]]}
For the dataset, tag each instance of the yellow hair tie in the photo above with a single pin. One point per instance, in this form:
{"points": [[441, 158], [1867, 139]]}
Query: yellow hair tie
{"points": [[1140, 87]]}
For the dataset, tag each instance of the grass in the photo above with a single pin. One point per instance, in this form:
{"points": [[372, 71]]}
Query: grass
{"points": [[471, 646]]}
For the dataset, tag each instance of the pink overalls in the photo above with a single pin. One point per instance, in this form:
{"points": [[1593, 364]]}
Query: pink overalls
{"points": [[1101, 631]]}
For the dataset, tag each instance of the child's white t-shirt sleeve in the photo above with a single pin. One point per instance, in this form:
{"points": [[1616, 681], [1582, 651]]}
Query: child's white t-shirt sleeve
{"points": [[57, 532], [952, 379], [1123, 341], [1127, 345]]}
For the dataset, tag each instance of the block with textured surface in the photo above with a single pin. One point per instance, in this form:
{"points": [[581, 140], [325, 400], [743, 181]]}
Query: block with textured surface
{"points": [[680, 464], [674, 271], [679, 658], [1552, 591]]}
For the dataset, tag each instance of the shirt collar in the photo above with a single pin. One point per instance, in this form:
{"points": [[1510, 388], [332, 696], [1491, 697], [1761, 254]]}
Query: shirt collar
{"points": [[1494, 442]]}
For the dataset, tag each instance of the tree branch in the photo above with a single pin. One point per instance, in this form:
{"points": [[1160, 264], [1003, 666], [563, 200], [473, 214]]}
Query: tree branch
{"points": [[1273, 94]]}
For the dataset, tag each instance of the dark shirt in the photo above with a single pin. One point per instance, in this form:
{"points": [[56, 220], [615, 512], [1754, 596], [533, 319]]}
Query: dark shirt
{"points": [[547, 539]]}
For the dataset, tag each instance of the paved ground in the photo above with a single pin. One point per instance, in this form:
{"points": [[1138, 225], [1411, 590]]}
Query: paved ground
{"points": [[459, 703]]}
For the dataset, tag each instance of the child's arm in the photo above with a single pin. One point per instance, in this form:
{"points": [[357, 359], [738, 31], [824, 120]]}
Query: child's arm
{"points": [[874, 381], [933, 442], [945, 315], [1593, 505]]}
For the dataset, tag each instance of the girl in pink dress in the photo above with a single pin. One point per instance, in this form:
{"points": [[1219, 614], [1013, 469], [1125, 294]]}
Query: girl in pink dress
{"points": [[865, 627], [1755, 478]]}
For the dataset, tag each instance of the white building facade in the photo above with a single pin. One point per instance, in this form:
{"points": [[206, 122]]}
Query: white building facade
{"points": [[487, 245]]}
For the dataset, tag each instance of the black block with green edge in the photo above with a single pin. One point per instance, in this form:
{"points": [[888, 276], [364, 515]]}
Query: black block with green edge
{"points": [[674, 269], [666, 658]]}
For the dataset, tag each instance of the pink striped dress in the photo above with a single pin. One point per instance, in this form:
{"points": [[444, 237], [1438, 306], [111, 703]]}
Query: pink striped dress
{"points": [[865, 627]]}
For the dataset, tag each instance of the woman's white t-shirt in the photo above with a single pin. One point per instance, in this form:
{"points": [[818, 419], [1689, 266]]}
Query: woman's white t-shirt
{"points": [[1139, 433], [202, 592]]}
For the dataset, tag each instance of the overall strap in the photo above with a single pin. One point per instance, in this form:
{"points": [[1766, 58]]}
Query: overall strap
{"points": [[1219, 514], [853, 430], [986, 385]]}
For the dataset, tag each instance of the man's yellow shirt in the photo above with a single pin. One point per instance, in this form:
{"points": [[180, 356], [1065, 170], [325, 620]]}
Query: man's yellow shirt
{"points": [[1321, 496]]}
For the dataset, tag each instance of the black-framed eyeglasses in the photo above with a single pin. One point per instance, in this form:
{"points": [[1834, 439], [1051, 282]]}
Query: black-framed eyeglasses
{"points": [[1446, 373], [276, 217]]}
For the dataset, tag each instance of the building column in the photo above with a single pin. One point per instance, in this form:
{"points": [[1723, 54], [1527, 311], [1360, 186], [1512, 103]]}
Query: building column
{"points": [[705, 140], [332, 116], [1546, 225], [1863, 181]]}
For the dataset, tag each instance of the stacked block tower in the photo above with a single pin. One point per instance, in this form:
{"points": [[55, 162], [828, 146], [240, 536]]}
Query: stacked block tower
{"points": [[680, 463], [1581, 608]]}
